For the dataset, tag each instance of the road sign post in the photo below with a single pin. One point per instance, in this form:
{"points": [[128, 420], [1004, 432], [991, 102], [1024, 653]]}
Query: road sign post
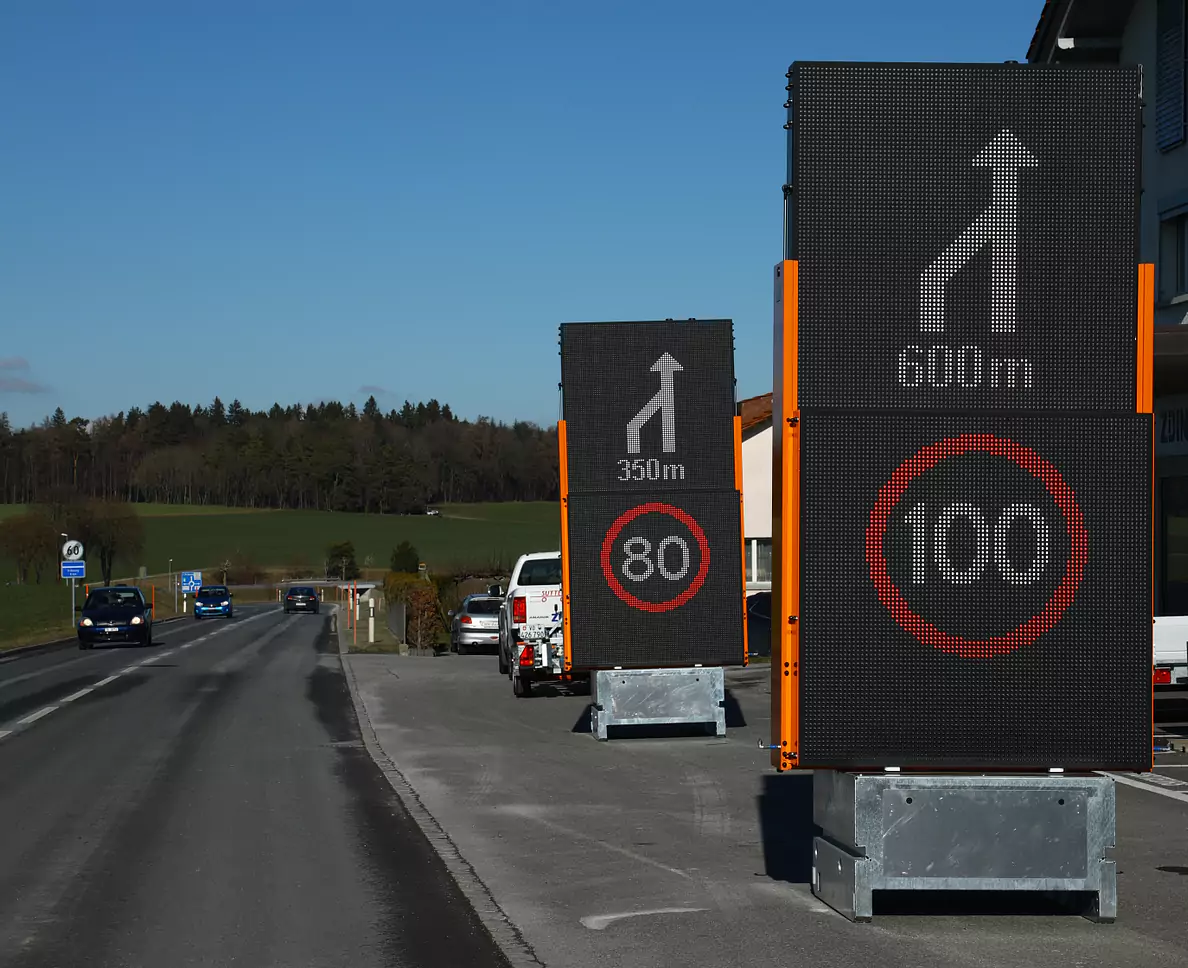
{"points": [[651, 517], [191, 581], [963, 444]]}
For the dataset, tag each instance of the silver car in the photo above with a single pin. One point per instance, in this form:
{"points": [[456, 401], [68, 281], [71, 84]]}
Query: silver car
{"points": [[476, 625]]}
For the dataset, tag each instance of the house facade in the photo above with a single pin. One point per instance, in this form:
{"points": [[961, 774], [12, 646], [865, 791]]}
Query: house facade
{"points": [[1151, 34], [756, 467]]}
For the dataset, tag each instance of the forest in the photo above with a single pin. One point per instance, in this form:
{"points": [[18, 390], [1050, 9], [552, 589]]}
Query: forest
{"points": [[327, 457]]}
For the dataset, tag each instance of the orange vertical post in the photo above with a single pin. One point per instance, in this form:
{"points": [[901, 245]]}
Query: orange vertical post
{"points": [[785, 470], [566, 627], [742, 526], [1145, 403], [355, 627]]}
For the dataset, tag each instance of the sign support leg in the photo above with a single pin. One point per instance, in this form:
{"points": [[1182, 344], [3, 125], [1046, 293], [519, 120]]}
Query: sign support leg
{"points": [[657, 697], [1029, 832]]}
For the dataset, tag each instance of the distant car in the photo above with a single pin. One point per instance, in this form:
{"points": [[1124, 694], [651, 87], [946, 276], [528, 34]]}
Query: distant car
{"points": [[212, 600], [433, 512], [115, 613], [302, 598], [476, 625]]}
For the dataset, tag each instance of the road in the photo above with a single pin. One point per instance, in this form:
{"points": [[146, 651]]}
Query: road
{"points": [[209, 802], [661, 852]]}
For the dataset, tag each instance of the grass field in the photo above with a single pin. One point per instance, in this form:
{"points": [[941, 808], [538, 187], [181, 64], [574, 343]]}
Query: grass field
{"points": [[463, 536]]}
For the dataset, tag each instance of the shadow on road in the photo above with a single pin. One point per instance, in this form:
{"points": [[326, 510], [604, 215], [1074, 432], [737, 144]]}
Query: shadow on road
{"points": [[787, 828], [734, 714]]}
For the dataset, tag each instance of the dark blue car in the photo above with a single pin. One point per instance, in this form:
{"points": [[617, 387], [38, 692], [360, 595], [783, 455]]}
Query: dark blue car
{"points": [[211, 600]]}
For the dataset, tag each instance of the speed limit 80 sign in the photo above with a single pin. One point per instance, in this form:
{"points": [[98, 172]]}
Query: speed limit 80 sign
{"points": [[650, 498]]}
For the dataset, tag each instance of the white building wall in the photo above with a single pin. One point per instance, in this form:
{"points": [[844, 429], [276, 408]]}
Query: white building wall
{"points": [[757, 484], [1165, 175]]}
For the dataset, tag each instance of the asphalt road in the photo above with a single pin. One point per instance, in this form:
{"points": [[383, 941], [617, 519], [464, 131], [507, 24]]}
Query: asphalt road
{"points": [[208, 801], [661, 852]]}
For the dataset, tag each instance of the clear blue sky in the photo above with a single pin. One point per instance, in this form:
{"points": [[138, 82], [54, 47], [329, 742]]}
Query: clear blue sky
{"points": [[292, 201]]}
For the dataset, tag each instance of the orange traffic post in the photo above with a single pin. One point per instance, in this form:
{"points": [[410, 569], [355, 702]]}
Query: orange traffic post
{"points": [[566, 634], [1144, 404], [785, 468], [738, 483]]}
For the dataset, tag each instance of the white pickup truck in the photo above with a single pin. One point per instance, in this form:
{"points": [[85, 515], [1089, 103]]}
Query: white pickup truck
{"points": [[531, 643], [1171, 651]]}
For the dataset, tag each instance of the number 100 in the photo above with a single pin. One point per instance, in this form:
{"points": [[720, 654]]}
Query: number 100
{"points": [[987, 544]]}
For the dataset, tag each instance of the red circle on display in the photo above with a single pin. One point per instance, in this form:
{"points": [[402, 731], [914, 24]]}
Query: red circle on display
{"points": [[927, 458], [608, 571]]}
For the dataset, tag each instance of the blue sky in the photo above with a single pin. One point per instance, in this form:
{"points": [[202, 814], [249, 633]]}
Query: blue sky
{"points": [[292, 201]]}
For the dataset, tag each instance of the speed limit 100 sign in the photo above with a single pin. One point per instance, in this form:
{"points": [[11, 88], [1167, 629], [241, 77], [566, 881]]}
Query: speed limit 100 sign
{"points": [[963, 412], [998, 599]]}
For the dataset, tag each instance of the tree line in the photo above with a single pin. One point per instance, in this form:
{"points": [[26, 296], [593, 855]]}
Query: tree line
{"points": [[326, 457]]}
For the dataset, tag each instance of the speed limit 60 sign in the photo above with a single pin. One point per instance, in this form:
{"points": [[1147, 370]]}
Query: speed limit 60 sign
{"points": [[963, 399], [650, 496]]}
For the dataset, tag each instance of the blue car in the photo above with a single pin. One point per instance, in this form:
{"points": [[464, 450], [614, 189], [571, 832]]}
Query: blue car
{"points": [[211, 600]]}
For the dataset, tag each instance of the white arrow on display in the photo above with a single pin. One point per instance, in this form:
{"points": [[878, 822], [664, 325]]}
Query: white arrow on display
{"points": [[997, 226], [663, 402]]}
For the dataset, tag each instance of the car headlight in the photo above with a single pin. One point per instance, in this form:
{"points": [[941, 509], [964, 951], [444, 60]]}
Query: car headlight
{"points": [[224, 603], [87, 622], [136, 620]]}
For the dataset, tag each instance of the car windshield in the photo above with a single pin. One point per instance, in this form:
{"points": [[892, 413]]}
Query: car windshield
{"points": [[212, 590], [113, 597], [540, 571], [303, 591], [483, 606]]}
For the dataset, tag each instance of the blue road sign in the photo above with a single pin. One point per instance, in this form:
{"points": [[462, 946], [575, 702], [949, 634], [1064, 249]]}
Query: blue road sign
{"points": [[191, 581], [74, 569]]}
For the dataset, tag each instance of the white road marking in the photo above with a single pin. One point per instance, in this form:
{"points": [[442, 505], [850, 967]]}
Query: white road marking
{"points": [[1149, 787], [45, 711], [33, 717], [597, 922]]}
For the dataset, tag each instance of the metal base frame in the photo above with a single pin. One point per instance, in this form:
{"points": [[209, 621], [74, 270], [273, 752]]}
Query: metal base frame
{"points": [[908, 832], [652, 697]]}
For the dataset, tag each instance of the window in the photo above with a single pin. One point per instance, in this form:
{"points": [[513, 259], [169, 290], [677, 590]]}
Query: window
{"points": [[1169, 74], [763, 554], [482, 606], [114, 598], [540, 571], [1173, 257], [758, 560]]}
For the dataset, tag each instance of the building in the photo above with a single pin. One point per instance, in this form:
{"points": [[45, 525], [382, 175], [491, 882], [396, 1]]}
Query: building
{"points": [[756, 461], [1150, 33]]}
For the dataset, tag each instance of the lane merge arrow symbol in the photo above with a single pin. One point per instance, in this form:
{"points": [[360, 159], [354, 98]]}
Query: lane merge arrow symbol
{"points": [[663, 402], [998, 227]]}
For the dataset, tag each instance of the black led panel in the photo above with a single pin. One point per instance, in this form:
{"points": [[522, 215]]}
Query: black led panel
{"points": [[966, 235], [975, 591], [656, 579], [649, 406]]}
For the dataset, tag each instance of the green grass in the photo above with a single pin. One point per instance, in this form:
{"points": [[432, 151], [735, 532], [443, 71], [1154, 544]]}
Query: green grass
{"points": [[463, 536]]}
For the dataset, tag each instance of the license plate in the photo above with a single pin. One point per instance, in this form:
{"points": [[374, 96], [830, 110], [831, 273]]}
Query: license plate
{"points": [[537, 631], [1162, 677]]}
